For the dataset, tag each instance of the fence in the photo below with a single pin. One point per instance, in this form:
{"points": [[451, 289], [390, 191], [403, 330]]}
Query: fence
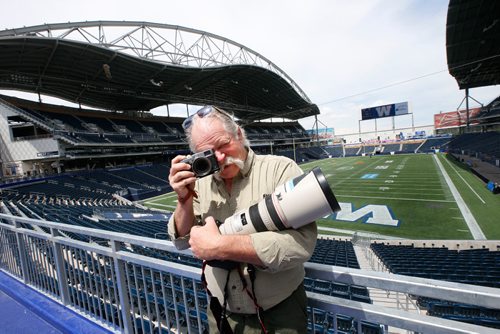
{"points": [[136, 285]]}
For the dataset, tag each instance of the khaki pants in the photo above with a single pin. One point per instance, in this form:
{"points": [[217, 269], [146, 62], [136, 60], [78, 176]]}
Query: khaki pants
{"points": [[288, 317]]}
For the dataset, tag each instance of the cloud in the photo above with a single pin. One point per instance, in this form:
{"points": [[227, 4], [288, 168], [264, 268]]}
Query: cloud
{"points": [[341, 53]]}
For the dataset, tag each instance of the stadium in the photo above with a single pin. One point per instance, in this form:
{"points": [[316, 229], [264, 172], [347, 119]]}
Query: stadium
{"points": [[85, 198]]}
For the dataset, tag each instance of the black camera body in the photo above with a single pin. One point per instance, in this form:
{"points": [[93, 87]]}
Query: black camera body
{"points": [[203, 163]]}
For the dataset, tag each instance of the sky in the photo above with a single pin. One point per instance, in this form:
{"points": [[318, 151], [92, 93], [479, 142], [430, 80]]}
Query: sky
{"points": [[345, 55]]}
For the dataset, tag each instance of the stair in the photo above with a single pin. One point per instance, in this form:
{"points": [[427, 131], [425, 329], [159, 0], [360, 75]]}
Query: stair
{"points": [[390, 299]]}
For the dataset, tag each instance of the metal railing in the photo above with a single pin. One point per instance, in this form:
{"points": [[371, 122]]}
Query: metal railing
{"points": [[133, 284]]}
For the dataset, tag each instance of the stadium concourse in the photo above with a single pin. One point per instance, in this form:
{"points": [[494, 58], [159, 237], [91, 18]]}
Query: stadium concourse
{"points": [[80, 236]]}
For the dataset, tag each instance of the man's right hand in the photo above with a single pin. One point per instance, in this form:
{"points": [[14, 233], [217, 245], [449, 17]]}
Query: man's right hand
{"points": [[181, 178]]}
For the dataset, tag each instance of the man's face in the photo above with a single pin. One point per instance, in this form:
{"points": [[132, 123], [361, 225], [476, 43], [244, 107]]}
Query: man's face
{"points": [[209, 133]]}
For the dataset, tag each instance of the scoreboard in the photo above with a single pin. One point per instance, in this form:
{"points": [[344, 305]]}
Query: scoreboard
{"points": [[388, 110]]}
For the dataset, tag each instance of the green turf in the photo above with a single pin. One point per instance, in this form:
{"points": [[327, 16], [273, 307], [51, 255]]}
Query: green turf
{"points": [[484, 206], [414, 190]]}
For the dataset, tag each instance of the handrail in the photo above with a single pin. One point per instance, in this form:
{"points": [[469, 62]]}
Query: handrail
{"points": [[112, 247]]}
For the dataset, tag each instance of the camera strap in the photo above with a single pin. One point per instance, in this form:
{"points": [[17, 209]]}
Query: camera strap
{"points": [[219, 311]]}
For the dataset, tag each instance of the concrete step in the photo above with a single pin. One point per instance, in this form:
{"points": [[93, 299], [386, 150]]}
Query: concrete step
{"points": [[381, 297]]}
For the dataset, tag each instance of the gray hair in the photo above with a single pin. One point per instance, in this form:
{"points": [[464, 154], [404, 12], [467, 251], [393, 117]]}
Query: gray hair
{"points": [[230, 126]]}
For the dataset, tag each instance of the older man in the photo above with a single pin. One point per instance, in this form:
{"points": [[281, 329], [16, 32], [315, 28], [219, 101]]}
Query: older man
{"points": [[263, 291]]}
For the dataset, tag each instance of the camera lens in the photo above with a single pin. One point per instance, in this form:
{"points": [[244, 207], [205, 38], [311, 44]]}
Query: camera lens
{"points": [[201, 166]]}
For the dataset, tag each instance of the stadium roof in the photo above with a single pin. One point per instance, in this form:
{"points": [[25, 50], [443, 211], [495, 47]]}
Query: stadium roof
{"points": [[140, 65], [473, 42]]}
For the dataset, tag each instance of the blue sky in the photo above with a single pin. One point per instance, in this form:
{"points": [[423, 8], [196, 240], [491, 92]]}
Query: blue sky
{"points": [[339, 52]]}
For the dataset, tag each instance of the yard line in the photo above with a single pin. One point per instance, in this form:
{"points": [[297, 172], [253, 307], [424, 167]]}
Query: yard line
{"points": [[468, 185], [355, 174], [398, 198], [471, 222]]}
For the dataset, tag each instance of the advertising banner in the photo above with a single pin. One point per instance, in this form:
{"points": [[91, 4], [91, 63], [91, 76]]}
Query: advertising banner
{"points": [[387, 110], [455, 119]]}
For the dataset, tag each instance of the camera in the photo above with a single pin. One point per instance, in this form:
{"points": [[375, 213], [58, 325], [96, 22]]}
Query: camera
{"points": [[203, 163], [295, 203]]}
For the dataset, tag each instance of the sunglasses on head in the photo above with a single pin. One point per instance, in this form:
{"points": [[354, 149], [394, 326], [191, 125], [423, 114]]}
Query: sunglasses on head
{"points": [[202, 113]]}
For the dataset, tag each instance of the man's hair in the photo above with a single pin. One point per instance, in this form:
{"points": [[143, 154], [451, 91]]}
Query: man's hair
{"points": [[230, 126]]}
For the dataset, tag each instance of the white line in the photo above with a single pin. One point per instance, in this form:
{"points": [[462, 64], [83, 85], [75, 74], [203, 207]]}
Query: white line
{"points": [[465, 181], [356, 174], [360, 233], [398, 198], [471, 222]]}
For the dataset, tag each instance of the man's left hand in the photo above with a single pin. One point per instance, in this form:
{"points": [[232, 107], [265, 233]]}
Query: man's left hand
{"points": [[205, 240]]}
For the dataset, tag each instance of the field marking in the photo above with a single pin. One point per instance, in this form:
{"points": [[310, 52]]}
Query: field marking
{"points": [[471, 222], [394, 190], [468, 185], [358, 172], [163, 205], [161, 197], [360, 233], [398, 198]]}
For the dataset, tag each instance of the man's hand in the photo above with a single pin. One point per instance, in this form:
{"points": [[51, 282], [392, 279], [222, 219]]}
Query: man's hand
{"points": [[181, 178], [206, 240], [207, 243]]}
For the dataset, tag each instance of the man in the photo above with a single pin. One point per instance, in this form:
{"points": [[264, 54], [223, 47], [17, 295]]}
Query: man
{"points": [[264, 292]]}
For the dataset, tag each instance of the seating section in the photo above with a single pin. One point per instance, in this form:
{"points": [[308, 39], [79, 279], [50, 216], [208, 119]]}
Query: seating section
{"points": [[352, 150], [94, 127], [433, 143], [66, 187], [335, 253], [323, 322], [474, 266], [260, 131], [388, 148], [410, 147], [105, 215], [462, 312], [335, 151], [485, 146], [312, 153], [132, 183], [156, 299]]}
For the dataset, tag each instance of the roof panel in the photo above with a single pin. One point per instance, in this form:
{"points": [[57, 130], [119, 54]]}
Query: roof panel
{"points": [[96, 76], [473, 42]]}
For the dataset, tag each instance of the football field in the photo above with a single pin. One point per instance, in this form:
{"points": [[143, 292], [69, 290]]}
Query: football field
{"points": [[415, 196]]}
